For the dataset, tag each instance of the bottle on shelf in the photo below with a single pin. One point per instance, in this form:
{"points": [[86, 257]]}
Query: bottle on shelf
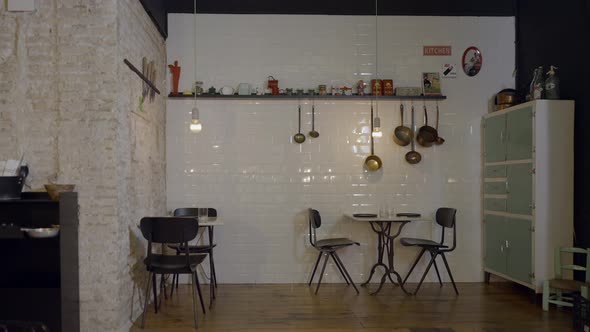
{"points": [[538, 86], [552, 84]]}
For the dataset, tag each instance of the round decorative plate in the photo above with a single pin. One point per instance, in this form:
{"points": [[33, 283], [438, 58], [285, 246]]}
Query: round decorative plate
{"points": [[472, 61]]}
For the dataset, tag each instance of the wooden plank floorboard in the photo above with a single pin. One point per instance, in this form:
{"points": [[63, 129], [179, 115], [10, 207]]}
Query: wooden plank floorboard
{"points": [[498, 307]]}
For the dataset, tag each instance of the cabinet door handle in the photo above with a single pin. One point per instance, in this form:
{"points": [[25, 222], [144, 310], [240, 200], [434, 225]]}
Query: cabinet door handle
{"points": [[507, 186]]}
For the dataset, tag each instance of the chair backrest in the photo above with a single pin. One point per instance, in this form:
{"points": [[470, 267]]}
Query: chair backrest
{"points": [[315, 221], [559, 267], [446, 217], [169, 229], [193, 212]]}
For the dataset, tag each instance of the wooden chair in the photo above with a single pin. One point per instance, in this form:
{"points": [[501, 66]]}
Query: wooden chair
{"points": [[162, 230], [561, 285], [327, 248], [445, 217]]}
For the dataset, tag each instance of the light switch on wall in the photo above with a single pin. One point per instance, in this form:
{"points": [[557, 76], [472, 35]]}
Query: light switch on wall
{"points": [[20, 5]]}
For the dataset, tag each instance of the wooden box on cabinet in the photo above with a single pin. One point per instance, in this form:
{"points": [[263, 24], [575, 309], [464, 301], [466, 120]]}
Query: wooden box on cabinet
{"points": [[528, 174]]}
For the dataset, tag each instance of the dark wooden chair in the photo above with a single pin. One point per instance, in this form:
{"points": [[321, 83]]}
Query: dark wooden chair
{"points": [[171, 230], [198, 249], [328, 248], [445, 217]]}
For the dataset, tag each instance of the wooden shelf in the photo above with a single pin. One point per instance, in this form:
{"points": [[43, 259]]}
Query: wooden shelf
{"points": [[294, 97]]}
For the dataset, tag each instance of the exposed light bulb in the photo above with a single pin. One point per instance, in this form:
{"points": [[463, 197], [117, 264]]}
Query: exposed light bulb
{"points": [[377, 127], [377, 133], [195, 125]]}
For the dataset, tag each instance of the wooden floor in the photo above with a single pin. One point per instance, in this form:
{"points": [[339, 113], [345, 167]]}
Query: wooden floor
{"points": [[496, 307]]}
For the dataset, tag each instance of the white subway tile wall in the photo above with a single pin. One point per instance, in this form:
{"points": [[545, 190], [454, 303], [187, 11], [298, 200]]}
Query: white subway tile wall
{"points": [[246, 164]]}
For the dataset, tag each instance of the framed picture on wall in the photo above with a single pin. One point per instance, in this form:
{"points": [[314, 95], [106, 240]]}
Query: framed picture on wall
{"points": [[431, 84]]}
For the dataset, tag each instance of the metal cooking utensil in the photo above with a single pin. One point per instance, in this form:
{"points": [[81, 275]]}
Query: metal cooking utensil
{"points": [[413, 157], [439, 140], [299, 137], [313, 133], [402, 135], [372, 162], [426, 134]]}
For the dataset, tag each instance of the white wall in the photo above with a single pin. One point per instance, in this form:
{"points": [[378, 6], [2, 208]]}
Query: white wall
{"points": [[246, 165]]}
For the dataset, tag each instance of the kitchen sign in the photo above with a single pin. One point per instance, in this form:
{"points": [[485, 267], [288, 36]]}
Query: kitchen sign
{"points": [[437, 50]]}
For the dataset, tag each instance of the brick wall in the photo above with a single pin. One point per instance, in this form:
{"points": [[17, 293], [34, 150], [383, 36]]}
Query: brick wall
{"points": [[141, 151], [70, 105]]}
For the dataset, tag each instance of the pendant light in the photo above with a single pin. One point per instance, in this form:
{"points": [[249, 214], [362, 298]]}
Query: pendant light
{"points": [[377, 121], [195, 125]]}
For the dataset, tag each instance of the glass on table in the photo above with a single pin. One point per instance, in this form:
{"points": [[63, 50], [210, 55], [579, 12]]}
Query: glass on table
{"points": [[391, 211], [383, 210], [203, 213]]}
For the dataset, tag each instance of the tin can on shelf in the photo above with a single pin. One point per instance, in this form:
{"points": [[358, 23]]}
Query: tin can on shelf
{"points": [[388, 87], [377, 87], [322, 90], [273, 85]]}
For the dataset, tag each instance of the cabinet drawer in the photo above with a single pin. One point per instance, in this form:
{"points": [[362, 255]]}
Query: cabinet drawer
{"points": [[495, 188], [495, 204], [495, 171]]}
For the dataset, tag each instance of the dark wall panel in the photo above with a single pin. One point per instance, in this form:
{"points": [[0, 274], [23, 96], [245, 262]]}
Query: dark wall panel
{"points": [[156, 9], [347, 7], [555, 33]]}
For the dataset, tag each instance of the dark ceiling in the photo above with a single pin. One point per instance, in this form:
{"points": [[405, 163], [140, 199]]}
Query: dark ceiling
{"points": [[158, 9]]}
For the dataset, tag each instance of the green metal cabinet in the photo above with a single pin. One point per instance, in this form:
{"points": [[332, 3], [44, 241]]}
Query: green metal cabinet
{"points": [[508, 246], [495, 256], [495, 204], [519, 134], [520, 189], [495, 171], [519, 261], [527, 189], [495, 142], [509, 136]]}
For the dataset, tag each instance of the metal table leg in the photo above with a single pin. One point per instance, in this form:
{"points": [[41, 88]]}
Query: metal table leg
{"points": [[385, 243]]}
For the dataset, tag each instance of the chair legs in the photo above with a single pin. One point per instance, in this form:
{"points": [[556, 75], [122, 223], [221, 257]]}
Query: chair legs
{"points": [[199, 290], [147, 299], [322, 273], [433, 255], [546, 295], [424, 275], [449, 271], [340, 268], [315, 268], [193, 286], [155, 289], [339, 265], [337, 258], [436, 269], [414, 265]]}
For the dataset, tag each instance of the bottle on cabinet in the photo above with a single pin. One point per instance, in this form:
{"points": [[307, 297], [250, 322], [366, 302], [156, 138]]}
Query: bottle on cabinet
{"points": [[538, 86], [552, 84]]}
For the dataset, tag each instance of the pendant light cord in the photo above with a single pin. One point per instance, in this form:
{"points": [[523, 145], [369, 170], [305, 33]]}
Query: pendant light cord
{"points": [[195, 49], [376, 58]]}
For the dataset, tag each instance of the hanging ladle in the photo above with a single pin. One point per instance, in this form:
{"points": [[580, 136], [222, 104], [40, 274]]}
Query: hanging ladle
{"points": [[372, 162], [299, 137], [439, 140], [313, 133], [413, 156]]}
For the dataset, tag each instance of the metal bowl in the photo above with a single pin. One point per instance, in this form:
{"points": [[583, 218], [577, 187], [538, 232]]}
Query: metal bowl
{"points": [[39, 233]]}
